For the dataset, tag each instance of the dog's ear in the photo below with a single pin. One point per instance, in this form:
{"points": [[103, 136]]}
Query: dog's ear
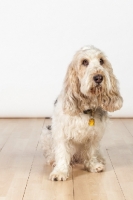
{"points": [[114, 99], [71, 91]]}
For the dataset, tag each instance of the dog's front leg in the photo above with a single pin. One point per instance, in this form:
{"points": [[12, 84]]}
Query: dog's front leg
{"points": [[93, 161], [62, 163]]}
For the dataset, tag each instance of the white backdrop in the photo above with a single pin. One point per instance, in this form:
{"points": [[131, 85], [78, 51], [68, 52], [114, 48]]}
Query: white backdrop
{"points": [[38, 40]]}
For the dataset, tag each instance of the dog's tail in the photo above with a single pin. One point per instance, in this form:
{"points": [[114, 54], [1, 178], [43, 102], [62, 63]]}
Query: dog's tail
{"points": [[47, 145]]}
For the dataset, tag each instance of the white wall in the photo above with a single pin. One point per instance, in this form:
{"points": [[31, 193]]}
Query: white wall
{"points": [[38, 39]]}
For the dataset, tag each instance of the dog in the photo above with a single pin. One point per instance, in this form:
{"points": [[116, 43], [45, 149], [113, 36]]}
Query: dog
{"points": [[80, 115]]}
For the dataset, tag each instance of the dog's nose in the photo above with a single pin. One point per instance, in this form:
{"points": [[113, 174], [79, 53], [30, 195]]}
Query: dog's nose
{"points": [[98, 78]]}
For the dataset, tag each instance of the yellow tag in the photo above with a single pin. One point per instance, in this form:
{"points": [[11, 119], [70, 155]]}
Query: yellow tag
{"points": [[91, 122]]}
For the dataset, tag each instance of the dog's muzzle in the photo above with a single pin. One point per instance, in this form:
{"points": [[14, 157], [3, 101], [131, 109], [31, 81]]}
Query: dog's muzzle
{"points": [[98, 78]]}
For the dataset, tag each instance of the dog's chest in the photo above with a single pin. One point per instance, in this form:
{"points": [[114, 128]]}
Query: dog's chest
{"points": [[79, 130]]}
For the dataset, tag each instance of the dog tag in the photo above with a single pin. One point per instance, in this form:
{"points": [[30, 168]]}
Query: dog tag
{"points": [[91, 122]]}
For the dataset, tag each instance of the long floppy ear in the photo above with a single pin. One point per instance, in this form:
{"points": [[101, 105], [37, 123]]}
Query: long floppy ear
{"points": [[71, 91], [114, 99]]}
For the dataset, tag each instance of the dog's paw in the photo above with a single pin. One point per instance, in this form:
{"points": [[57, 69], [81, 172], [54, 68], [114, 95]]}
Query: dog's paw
{"points": [[98, 167], [58, 176]]}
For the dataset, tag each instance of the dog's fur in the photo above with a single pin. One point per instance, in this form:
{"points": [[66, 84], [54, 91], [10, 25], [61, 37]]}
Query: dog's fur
{"points": [[71, 138]]}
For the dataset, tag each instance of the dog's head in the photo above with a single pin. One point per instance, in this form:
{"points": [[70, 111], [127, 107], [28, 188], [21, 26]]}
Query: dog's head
{"points": [[90, 83]]}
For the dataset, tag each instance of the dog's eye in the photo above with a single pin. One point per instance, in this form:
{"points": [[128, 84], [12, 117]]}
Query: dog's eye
{"points": [[101, 61], [85, 62]]}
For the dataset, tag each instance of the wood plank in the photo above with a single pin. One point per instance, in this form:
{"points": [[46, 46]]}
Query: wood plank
{"points": [[127, 188], [128, 123], [121, 156], [6, 128], [40, 187], [17, 156]]}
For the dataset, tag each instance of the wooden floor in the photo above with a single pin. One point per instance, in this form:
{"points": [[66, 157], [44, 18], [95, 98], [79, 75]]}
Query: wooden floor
{"points": [[23, 175]]}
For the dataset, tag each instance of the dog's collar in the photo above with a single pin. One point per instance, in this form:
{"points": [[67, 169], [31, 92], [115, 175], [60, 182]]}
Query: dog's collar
{"points": [[91, 121], [89, 111]]}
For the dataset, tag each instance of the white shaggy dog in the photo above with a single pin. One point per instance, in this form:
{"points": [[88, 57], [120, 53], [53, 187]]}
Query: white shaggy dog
{"points": [[80, 116]]}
